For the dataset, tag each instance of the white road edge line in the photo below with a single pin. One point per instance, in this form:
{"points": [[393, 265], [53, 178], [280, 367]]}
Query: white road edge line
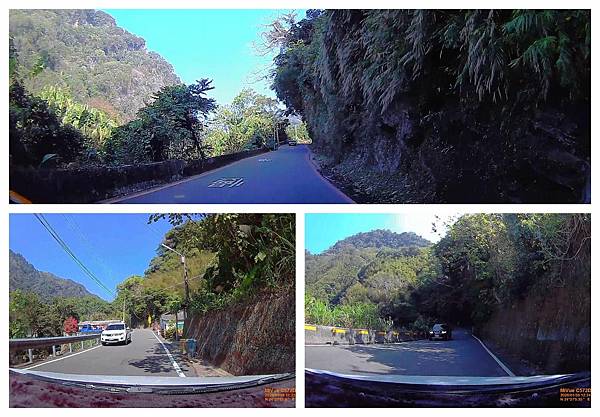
{"points": [[60, 359], [175, 365], [504, 367]]}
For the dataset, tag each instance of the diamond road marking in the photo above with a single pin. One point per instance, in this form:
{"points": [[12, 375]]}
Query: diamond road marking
{"points": [[226, 182]]}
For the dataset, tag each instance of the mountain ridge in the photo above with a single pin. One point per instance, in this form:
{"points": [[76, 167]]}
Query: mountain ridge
{"points": [[86, 52], [379, 238], [360, 266], [25, 277]]}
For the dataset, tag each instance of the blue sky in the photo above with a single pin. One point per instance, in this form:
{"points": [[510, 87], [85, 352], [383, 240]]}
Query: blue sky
{"points": [[325, 229], [215, 44], [112, 246]]}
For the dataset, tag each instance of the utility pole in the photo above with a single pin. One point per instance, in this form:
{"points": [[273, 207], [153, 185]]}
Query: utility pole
{"points": [[185, 283]]}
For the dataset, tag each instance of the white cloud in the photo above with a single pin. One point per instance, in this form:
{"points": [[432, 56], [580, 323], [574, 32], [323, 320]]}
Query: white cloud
{"points": [[422, 224]]}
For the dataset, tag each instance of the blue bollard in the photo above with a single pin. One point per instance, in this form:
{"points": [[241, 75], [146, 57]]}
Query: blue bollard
{"points": [[191, 347]]}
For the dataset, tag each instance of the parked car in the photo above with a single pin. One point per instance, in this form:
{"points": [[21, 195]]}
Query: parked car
{"points": [[440, 332], [116, 333], [88, 328]]}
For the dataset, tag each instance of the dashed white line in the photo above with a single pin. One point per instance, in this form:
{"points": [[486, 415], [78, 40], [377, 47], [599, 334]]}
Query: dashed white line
{"points": [[504, 367], [64, 357], [175, 364]]}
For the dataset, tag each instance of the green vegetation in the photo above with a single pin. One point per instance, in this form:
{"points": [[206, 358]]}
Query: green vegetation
{"points": [[86, 53], [299, 132], [359, 267], [356, 315], [485, 262], [229, 258], [30, 316], [24, 277], [167, 128], [95, 125], [488, 55], [88, 92], [442, 96], [491, 261], [250, 122], [36, 134], [253, 253]]}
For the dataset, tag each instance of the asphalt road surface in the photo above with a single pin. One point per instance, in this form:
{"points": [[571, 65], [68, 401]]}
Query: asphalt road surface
{"points": [[461, 356], [144, 356], [284, 176]]}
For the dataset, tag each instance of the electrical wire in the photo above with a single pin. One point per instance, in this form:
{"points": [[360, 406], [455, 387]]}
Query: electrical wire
{"points": [[93, 251], [69, 252]]}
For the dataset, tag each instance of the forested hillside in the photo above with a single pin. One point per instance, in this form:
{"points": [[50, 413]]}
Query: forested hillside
{"points": [[380, 239], [41, 304], [83, 92], [484, 261], [366, 267], [230, 260], [521, 280], [23, 276], [86, 53], [444, 105]]}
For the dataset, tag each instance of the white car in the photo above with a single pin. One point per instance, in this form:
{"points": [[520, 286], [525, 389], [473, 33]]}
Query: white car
{"points": [[116, 333]]}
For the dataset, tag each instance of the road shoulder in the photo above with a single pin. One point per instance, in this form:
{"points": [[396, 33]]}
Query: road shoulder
{"points": [[517, 365], [148, 187]]}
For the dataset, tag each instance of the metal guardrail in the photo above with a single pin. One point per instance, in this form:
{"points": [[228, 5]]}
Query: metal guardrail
{"points": [[40, 342], [29, 344]]}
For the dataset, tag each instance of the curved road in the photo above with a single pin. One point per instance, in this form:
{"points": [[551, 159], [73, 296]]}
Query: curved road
{"points": [[284, 176], [144, 356], [461, 356]]}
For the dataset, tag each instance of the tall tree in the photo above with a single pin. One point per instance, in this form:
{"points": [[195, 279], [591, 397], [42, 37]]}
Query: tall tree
{"points": [[169, 127]]}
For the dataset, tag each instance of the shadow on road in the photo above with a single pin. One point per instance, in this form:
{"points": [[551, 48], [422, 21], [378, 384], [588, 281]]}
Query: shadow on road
{"points": [[461, 356], [419, 357], [155, 361], [156, 364]]}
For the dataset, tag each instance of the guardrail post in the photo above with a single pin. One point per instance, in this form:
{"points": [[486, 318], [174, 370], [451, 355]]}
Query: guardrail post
{"points": [[20, 345]]}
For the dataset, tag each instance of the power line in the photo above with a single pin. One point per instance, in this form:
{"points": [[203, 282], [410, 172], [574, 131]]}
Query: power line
{"points": [[75, 227], [68, 250]]}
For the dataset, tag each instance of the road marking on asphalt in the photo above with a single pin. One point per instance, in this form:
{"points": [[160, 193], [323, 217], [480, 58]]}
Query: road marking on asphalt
{"points": [[175, 365], [64, 357], [504, 367], [226, 182]]}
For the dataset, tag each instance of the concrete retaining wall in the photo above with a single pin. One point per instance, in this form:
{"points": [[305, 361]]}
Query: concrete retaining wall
{"points": [[323, 335], [92, 184]]}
